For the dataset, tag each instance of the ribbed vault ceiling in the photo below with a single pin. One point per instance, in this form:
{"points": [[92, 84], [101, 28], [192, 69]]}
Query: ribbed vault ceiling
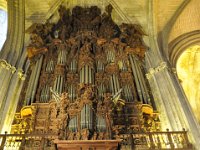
{"points": [[124, 11]]}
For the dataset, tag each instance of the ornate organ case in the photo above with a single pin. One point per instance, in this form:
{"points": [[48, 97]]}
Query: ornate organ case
{"points": [[86, 80]]}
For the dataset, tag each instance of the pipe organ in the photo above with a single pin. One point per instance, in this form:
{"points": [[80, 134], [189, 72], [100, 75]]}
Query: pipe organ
{"points": [[86, 80]]}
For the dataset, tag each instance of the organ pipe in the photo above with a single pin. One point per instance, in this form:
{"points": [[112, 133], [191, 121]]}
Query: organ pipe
{"points": [[81, 75], [30, 85], [140, 81], [145, 86], [36, 78], [86, 75], [136, 78]]}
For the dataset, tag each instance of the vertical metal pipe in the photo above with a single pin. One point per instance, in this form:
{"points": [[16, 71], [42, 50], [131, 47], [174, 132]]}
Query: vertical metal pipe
{"points": [[115, 84], [111, 84], [93, 76], [62, 59], [117, 81], [90, 76], [136, 78], [107, 56], [36, 78], [86, 74], [60, 85], [71, 66], [145, 86], [140, 81], [70, 92], [80, 76], [27, 96], [44, 94], [57, 78], [47, 93]]}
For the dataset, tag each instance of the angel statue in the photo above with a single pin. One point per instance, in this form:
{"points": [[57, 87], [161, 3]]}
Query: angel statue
{"points": [[118, 102], [55, 96]]}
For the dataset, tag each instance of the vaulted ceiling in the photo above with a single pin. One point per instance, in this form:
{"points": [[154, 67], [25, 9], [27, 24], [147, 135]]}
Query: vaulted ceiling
{"points": [[134, 11]]}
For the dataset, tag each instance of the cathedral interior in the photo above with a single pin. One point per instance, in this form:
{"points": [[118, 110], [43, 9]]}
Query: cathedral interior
{"points": [[99, 74]]}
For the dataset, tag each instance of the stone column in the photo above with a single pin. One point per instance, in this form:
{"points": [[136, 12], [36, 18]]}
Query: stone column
{"points": [[12, 59], [168, 95]]}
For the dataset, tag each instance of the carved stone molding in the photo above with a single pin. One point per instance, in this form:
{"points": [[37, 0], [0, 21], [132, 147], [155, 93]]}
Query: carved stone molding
{"points": [[153, 71], [7, 66]]}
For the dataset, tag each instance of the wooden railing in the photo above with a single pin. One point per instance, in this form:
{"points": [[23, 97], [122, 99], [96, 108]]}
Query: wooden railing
{"points": [[140, 141], [157, 140], [27, 141]]}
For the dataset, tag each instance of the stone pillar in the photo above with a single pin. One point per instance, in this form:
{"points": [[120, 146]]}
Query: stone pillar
{"points": [[170, 99], [166, 98], [12, 60]]}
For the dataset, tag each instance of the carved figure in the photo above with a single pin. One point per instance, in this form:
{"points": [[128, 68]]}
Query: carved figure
{"points": [[56, 96], [77, 136], [70, 135], [85, 134], [36, 41], [94, 137], [101, 136]]}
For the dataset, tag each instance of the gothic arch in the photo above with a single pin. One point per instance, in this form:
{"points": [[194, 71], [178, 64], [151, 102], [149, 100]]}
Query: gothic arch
{"points": [[184, 32], [181, 43]]}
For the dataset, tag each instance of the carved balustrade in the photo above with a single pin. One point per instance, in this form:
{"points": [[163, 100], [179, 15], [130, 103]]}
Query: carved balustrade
{"points": [[146, 140]]}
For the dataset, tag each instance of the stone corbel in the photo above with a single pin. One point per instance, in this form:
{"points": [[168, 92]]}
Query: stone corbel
{"points": [[157, 69]]}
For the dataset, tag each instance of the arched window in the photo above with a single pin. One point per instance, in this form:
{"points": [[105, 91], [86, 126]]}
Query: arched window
{"points": [[188, 71], [3, 25]]}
